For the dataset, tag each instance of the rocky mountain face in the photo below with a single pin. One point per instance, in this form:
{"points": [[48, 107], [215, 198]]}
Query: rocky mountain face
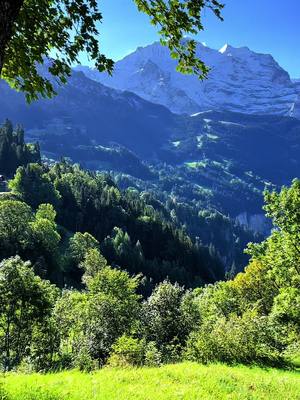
{"points": [[240, 80], [296, 83]]}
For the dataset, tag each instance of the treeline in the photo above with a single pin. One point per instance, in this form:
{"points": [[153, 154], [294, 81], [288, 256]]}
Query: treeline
{"points": [[254, 318], [13, 150]]}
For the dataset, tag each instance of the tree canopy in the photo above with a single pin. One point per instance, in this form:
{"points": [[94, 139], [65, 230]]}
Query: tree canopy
{"points": [[53, 33], [14, 152]]}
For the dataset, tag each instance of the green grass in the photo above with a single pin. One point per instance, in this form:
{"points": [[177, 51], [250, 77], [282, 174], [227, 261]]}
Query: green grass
{"points": [[186, 381]]}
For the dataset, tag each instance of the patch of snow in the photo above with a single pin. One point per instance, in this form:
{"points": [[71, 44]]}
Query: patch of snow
{"points": [[212, 137], [223, 49], [199, 113], [230, 123]]}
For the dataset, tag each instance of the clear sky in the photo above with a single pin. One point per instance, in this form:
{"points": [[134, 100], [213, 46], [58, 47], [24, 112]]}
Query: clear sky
{"points": [[266, 26]]}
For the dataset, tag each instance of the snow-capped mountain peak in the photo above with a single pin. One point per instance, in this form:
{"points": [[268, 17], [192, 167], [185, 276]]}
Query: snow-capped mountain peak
{"points": [[240, 80], [229, 50], [224, 48]]}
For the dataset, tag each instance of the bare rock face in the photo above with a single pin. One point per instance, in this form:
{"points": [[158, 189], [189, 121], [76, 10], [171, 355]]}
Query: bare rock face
{"points": [[257, 222], [240, 80], [296, 111]]}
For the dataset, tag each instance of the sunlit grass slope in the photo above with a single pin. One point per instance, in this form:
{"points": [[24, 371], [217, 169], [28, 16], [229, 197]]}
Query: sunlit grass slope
{"points": [[182, 381]]}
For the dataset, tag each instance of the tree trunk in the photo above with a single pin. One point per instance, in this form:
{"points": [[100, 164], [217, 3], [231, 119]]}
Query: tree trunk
{"points": [[9, 11]]}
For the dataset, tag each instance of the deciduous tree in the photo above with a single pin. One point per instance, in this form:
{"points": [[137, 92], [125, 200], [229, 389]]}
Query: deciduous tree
{"points": [[31, 31]]}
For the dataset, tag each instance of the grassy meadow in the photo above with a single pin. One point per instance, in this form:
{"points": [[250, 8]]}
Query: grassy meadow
{"points": [[186, 381]]}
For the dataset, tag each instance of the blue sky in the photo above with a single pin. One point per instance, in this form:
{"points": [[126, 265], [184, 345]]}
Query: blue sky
{"points": [[266, 26]]}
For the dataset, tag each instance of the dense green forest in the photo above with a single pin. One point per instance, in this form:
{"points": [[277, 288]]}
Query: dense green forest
{"points": [[94, 275], [193, 208], [127, 229]]}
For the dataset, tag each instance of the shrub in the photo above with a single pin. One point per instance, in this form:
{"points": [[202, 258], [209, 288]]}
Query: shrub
{"points": [[169, 315], [172, 352], [292, 353], [83, 360], [246, 339], [127, 351], [153, 357]]}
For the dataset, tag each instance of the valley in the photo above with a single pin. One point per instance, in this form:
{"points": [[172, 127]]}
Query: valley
{"points": [[149, 200], [205, 167]]}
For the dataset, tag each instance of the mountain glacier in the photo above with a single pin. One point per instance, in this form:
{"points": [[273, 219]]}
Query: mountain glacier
{"points": [[240, 80]]}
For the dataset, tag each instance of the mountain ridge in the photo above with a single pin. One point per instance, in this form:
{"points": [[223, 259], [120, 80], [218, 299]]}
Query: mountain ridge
{"points": [[240, 80], [214, 160], [86, 115]]}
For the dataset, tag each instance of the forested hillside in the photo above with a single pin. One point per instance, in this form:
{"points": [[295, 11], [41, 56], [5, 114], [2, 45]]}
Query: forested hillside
{"points": [[175, 195], [127, 228], [92, 275]]}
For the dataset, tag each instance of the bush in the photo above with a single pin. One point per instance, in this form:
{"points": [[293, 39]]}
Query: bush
{"points": [[169, 315], [127, 351], [153, 357], [172, 352], [83, 360], [292, 353], [246, 339]]}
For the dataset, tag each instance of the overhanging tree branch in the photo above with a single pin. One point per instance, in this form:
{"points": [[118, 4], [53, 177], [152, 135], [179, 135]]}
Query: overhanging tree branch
{"points": [[32, 31]]}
